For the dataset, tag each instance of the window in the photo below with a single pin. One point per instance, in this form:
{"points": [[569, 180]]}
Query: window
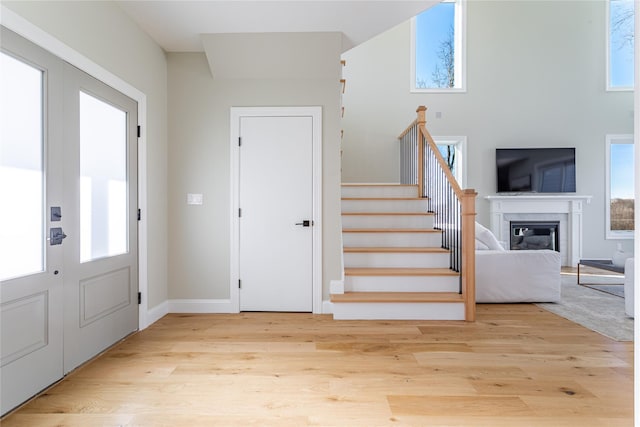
{"points": [[453, 150], [620, 35], [619, 187], [103, 179], [22, 176], [437, 48]]}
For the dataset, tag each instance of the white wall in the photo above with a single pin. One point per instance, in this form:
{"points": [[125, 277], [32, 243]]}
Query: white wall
{"points": [[199, 139], [104, 34], [535, 78], [195, 265]]}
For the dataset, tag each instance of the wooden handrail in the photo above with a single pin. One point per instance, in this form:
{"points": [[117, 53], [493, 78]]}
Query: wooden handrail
{"points": [[466, 198], [408, 129], [434, 147]]}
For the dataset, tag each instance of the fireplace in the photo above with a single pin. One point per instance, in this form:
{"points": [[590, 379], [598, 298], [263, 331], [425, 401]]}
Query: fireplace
{"points": [[535, 235], [566, 209]]}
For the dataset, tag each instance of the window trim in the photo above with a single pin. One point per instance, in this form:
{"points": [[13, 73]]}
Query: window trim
{"points": [[613, 234], [460, 21], [460, 145], [608, 87]]}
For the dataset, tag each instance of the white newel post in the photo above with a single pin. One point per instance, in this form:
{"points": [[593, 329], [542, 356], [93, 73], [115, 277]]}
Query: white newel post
{"points": [[566, 209]]}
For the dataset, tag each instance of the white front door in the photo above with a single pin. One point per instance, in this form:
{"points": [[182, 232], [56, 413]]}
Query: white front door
{"points": [[276, 213], [101, 251], [68, 185], [31, 293]]}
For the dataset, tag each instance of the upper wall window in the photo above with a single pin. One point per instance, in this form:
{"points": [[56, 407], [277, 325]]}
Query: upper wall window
{"points": [[620, 35], [438, 48]]}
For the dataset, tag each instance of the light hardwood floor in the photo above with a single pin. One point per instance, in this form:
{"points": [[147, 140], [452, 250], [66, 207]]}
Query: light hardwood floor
{"points": [[518, 365]]}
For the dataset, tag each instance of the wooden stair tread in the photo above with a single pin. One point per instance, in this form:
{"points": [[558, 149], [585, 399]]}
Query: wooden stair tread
{"points": [[390, 213], [400, 272], [396, 250], [402, 297], [390, 230]]}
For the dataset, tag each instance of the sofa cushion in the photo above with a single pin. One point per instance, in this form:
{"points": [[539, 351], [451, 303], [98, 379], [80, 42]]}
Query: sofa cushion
{"points": [[485, 236], [518, 276]]}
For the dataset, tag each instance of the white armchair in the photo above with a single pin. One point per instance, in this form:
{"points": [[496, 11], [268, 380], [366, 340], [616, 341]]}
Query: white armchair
{"points": [[629, 290], [504, 276]]}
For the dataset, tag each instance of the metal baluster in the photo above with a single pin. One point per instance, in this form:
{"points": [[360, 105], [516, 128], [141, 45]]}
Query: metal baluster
{"points": [[443, 202]]}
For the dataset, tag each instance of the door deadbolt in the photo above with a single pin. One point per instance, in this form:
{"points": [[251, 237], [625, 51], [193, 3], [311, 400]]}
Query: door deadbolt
{"points": [[305, 223], [56, 213]]}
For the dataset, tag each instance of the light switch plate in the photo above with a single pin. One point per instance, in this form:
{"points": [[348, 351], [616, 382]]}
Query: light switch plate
{"points": [[194, 198]]}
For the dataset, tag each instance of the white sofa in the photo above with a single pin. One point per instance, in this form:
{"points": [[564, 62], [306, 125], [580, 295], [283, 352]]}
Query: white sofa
{"points": [[629, 290], [504, 276]]}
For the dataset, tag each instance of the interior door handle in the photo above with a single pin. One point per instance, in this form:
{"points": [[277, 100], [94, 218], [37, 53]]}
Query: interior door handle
{"points": [[305, 223]]}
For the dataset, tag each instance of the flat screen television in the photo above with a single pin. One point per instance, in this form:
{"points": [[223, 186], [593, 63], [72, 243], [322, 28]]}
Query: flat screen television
{"points": [[536, 170]]}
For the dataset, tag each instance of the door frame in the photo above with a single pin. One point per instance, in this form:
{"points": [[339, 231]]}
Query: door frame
{"points": [[236, 113], [36, 35]]}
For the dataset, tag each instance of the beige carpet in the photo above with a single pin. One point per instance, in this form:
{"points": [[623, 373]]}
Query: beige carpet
{"points": [[617, 290], [593, 309]]}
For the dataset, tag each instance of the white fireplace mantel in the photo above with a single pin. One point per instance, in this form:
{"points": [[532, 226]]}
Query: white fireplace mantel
{"points": [[565, 208]]}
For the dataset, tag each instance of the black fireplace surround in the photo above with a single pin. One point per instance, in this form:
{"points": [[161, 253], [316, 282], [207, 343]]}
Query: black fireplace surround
{"points": [[535, 235]]}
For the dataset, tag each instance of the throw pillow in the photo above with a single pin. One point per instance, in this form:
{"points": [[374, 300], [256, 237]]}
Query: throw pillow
{"points": [[485, 236]]}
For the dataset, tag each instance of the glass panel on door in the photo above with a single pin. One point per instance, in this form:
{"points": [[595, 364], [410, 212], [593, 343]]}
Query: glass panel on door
{"points": [[22, 184], [103, 179]]}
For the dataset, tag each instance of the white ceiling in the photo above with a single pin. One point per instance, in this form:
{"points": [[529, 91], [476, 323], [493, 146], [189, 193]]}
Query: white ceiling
{"points": [[177, 25]]}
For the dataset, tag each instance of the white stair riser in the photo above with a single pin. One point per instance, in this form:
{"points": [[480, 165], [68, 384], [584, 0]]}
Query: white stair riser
{"points": [[388, 205], [394, 240], [395, 260], [387, 221], [399, 311], [379, 191], [401, 284]]}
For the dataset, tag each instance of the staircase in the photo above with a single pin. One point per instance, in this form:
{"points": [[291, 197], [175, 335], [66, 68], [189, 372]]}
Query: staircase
{"points": [[394, 265]]}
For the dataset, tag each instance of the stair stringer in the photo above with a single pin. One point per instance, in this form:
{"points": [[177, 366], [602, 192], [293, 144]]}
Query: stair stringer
{"points": [[336, 286]]}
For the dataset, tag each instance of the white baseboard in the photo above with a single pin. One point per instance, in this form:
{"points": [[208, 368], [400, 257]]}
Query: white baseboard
{"points": [[201, 306], [327, 307], [156, 313]]}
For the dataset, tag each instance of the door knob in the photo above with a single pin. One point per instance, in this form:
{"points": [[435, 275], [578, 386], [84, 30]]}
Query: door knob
{"points": [[305, 223]]}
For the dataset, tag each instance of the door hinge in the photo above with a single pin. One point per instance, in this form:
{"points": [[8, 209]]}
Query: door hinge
{"points": [[239, 141], [139, 298], [239, 213], [239, 284], [139, 214], [139, 131]]}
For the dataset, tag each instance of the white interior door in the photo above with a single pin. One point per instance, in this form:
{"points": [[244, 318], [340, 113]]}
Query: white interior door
{"points": [[30, 184], [276, 213], [100, 177]]}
